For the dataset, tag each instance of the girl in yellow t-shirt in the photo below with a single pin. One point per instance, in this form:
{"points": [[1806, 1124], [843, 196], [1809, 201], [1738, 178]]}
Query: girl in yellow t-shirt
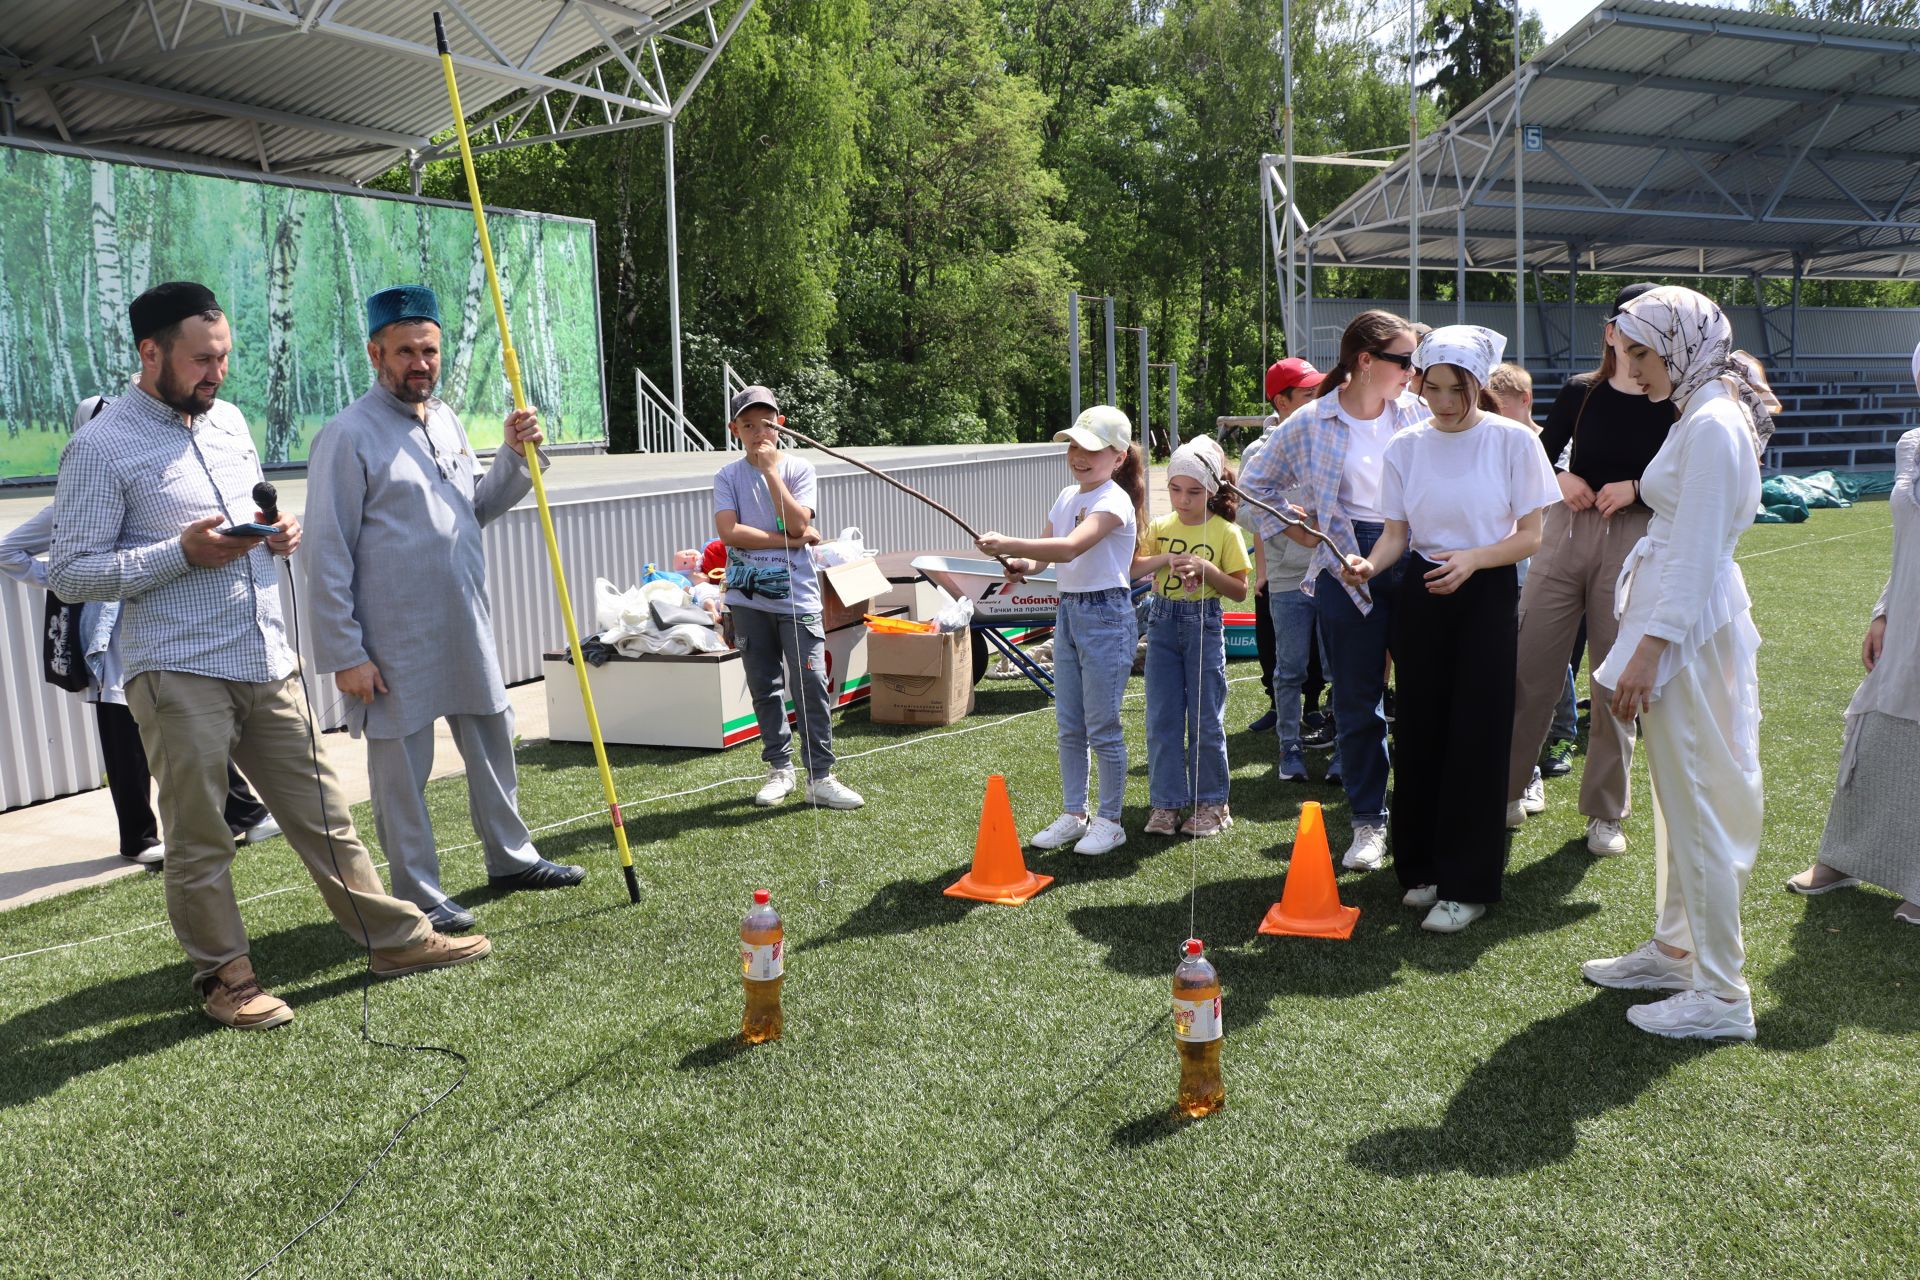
{"points": [[1197, 557]]}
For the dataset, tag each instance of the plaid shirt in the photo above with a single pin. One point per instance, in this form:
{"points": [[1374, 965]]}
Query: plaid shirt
{"points": [[129, 483], [1309, 450]]}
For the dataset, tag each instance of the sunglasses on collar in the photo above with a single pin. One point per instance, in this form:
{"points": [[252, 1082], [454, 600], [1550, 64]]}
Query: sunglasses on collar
{"points": [[1404, 360]]}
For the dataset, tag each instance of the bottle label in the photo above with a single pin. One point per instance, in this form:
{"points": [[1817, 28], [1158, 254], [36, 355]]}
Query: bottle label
{"points": [[1197, 1021], [762, 963]]}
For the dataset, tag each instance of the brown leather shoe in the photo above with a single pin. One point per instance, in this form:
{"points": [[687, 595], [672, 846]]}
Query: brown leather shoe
{"points": [[234, 999], [435, 951]]}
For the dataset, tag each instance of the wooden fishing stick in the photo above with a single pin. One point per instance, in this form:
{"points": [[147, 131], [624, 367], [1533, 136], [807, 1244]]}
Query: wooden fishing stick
{"points": [[511, 362], [900, 485], [1293, 523]]}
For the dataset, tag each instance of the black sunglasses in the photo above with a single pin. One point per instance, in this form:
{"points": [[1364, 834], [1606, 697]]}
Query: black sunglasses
{"points": [[1404, 361]]}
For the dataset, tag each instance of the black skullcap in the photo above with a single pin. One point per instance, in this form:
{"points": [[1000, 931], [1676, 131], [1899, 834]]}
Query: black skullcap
{"points": [[1628, 294], [168, 304]]}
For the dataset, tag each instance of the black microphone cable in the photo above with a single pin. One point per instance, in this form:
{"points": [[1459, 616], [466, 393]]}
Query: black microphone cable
{"points": [[267, 499]]}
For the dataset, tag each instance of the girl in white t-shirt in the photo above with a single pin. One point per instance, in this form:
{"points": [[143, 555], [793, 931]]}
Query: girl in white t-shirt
{"points": [[1093, 529], [1465, 490]]}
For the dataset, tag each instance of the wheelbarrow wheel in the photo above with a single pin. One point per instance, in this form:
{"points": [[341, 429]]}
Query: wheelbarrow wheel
{"points": [[982, 653]]}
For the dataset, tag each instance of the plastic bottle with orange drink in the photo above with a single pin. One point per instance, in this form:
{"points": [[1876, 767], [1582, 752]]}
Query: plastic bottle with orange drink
{"points": [[762, 969], [1197, 1032]]}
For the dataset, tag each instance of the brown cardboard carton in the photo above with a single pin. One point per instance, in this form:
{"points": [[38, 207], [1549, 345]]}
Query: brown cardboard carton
{"points": [[920, 679], [846, 589]]}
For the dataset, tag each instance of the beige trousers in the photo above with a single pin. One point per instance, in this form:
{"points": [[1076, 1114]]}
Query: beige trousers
{"points": [[190, 725], [1574, 574]]}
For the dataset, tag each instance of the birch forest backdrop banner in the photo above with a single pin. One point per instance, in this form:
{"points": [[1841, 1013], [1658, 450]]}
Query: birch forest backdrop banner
{"points": [[79, 239]]}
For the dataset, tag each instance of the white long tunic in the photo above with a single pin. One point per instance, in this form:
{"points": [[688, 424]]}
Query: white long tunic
{"points": [[1679, 582], [396, 571]]}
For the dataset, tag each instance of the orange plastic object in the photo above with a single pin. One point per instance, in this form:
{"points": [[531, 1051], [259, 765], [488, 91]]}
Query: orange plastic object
{"points": [[1309, 906], [999, 869], [898, 626]]}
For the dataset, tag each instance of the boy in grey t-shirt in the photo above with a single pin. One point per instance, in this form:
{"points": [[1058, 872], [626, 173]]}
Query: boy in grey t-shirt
{"points": [[763, 510]]}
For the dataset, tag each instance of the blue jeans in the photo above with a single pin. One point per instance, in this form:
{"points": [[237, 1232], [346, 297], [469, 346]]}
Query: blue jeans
{"points": [[1293, 636], [1187, 703], [1094, 637], [1357, 644]]}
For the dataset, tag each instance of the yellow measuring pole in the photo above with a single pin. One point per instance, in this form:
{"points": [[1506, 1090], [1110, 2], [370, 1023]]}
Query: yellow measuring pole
{"points": [[511, 361]]}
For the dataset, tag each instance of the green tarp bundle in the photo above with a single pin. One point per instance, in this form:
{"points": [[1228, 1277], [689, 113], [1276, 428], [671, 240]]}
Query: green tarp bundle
{"points": [[1789, 499]]}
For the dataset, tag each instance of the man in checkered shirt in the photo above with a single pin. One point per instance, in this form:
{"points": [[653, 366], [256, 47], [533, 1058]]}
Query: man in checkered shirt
{"points": [[143, 493]]}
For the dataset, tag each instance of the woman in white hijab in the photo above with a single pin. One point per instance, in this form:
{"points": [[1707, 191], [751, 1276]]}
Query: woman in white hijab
{"points": [[1684, 663], [1465, 490], [1876, 803]]}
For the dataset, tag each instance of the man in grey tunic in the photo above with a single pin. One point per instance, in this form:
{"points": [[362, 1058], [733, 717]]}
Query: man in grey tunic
{"points": [[397, 579]]}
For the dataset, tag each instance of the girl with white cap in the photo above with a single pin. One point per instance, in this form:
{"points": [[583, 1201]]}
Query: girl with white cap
{"points": [[1093, 532], [1684, 663], [1196, 556], [1465, 490]]}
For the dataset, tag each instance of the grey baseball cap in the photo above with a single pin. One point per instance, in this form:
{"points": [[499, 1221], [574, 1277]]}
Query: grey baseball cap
{"points": [[747, 397]]}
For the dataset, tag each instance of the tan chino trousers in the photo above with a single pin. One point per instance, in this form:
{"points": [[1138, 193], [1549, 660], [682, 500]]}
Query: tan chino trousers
{"points": [[190, 725], [1574, 574]]}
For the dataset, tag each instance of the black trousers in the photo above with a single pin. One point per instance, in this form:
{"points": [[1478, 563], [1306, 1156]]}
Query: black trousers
{"points": [[1454, 658], [131, 784], [1315, 683]]}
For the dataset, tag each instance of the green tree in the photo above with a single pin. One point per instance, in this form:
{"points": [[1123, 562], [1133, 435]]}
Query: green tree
{"points": [[957, 260], [1472, 40]]}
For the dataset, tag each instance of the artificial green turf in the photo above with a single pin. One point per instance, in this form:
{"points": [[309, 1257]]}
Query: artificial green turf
{"points": [[972, 1090]]}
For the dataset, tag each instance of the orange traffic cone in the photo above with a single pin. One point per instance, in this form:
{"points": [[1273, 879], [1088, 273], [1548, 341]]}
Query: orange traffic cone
{"points": [[1309, 906], [999, 871]]}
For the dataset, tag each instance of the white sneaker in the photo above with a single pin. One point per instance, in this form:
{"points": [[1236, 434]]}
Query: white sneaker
{"points": [[778, 786], [1645, 968], [1516, 816], [831, 793], [1421, 896], [151, 856], [1449, 916], [1695, 1015], [1103, 836], [265, 829], [1065, 830], [1605, 838], [1368, 850], [1534, 798]]}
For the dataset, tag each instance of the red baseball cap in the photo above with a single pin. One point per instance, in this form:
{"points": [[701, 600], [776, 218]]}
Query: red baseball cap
{"points": [[713, 556], [1284, 375]]}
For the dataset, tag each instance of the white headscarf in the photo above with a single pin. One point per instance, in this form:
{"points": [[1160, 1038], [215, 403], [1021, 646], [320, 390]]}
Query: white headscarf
{"points": [[1916, 368], [1199, 459], [1694, 339], [1465, 346]]}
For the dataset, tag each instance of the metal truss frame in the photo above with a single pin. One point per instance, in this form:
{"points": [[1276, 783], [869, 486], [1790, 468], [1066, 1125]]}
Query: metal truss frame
{"points": [[621, 84], [1469, 164]]}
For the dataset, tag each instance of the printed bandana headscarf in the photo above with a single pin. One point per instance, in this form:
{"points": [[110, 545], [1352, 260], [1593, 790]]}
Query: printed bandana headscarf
{"points": [[1199, 459], [1694, 339], [1464, 346]]}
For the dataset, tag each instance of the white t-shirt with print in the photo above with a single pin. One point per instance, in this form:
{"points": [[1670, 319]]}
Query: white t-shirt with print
{"points": [[1104, 565], [1366, 456], [1462, 489]]}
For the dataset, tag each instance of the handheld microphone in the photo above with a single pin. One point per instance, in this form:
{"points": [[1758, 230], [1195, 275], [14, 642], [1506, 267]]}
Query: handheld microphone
{"points": [[267, 498]]}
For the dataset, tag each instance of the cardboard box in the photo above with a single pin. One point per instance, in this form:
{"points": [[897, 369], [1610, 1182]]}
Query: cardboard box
{"points": [[690, 700], [920, 679], [846, 589]]}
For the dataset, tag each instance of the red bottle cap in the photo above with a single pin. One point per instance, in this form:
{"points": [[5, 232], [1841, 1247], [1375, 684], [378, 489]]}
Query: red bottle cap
{"points": [[761, 897], [1193, 946]]}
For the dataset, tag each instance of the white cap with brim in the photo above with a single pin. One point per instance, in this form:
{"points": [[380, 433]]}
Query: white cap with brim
{"points": [[1101, 427]]}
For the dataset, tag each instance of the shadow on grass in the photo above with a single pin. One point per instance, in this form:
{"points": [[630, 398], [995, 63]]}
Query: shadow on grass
{"points": [[715, 1053], [1142, 939], [151, 1012], [1852, 965], [1522, 1108]]}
